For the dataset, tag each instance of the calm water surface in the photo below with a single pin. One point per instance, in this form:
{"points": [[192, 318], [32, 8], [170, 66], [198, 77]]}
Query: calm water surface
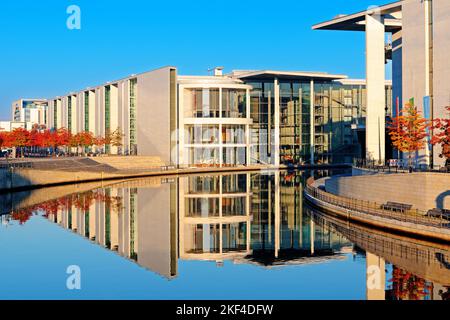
{"points": [[234, 236]]}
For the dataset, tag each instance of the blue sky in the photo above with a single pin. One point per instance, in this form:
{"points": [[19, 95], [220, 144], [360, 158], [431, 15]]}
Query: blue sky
{"points": [[40, 57]]}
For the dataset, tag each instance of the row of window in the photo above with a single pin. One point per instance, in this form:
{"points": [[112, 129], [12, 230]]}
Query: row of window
{"points": [[205, 103], [214, 134]]}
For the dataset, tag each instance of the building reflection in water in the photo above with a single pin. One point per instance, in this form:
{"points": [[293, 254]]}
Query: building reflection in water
{"points": [[419, 269], [246, 218], [251, 218]]}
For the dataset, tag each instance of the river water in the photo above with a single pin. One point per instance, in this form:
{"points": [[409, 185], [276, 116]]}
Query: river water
{"points": [[215, 236]]}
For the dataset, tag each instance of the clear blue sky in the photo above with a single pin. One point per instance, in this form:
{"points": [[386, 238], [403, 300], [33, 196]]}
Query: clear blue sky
{"points": [[40, 57]]}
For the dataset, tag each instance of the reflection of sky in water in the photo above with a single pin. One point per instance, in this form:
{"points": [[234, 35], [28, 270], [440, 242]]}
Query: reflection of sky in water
{"points": [[37, 254], [188, 227]]}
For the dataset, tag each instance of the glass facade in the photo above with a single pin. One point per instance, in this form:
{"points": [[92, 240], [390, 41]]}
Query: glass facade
{"points": [[203, 156], [337, 108], [234, 103], [201, 103], [69, 113], [133, 126], [86, 111], [224, 198], [262, 106], [215, 143], [133, 223], [55, 114], [295, 110], [107, 115], [202, 134]]}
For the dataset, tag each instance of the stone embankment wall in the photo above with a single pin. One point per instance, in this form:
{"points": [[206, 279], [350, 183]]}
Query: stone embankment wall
{"points": [[422, 190]]}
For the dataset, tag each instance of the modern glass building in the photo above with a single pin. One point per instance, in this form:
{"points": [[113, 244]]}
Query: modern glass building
{"points": [[242, 118]]}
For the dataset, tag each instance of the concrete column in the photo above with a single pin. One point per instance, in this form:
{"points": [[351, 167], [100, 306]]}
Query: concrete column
{"points": [[376, 100], [277, 214], [376, 277], [312, 234], [276, 120], [311, 120], [247, 129]]}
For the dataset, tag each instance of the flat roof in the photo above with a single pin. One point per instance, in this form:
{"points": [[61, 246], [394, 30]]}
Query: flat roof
{"points": [[355, 21], [270, 74], [358, 82]]}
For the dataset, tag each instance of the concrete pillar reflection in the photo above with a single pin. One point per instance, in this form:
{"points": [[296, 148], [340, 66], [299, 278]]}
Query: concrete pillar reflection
{"points": [[375, 277]]}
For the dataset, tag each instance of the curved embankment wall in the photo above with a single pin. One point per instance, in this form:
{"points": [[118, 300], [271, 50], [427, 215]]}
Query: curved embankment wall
{"points": [[422, 190]]}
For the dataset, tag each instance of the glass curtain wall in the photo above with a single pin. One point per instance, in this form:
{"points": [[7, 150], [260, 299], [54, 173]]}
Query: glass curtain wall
{"points": [[55, 114], [262, 104], [201, 103], [215, 144], [295, 121], [133, 127], [86, 111], [107, 116], [69, 113], [223, 198]]}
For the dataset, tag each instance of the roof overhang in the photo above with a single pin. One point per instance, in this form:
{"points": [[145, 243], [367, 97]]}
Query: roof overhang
{"points": [[285, 75], [356, 21]]}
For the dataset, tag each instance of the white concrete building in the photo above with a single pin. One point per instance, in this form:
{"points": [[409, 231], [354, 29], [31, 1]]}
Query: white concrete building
{"points": [[245, 117], [30, 110]]}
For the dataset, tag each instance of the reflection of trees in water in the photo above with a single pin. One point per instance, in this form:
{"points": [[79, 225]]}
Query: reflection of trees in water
{"points": [[407, 286], [82, 201]]}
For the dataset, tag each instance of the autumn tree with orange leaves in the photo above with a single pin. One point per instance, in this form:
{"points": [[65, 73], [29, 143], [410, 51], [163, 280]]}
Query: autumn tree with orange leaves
{"points": [[442, 136], [408, 131]]}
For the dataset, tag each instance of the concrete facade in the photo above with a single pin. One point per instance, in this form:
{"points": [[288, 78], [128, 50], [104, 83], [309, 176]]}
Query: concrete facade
{"points": [[424, 191], [30, 110]]}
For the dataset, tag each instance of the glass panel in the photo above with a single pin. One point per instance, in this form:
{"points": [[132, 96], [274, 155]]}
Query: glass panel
{"points": [[233, 156], [202, 134], [208, 185], [86, 111], [234, 134], [201, 103], [234, 184], [234, 103], [69, 113], [233, 206], [107, 115], [203, 156], [202, 207], [234, 237], [202, 238], [133, 99]]}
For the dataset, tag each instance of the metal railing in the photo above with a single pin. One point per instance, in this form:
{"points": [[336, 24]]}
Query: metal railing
{"points": [[414, 216], [400, 167]]}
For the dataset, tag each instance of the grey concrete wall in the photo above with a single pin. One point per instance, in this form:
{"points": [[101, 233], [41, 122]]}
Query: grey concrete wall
{"points": [[413, 51], [153, 114], [423, 190], [441, 62], [413, 56]]}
